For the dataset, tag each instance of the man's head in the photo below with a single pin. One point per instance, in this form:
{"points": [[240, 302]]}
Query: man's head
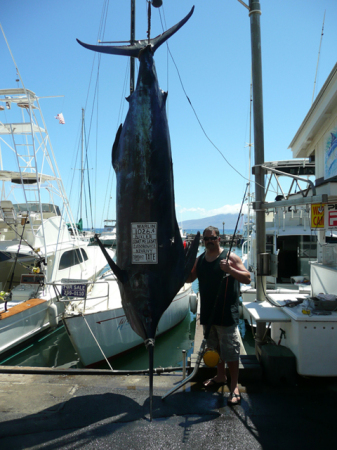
{"points": [[211, 238], [210, 228]]}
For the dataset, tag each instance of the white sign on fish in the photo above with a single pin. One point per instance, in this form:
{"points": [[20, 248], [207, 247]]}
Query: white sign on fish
{"points": [[144, 243]]}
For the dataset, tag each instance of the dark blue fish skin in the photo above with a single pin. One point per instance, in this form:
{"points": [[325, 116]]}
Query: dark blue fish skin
{"points": [[145, 193], [142, 160]]}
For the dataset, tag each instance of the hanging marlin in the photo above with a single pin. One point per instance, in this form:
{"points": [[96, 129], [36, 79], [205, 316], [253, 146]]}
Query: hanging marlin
{"points": [[152, 264]]}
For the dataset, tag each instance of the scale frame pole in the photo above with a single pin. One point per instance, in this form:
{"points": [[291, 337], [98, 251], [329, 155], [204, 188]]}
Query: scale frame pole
{"points": [[258, 205]]}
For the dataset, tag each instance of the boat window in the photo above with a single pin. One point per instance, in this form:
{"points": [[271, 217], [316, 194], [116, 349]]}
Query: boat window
{"points": [[331, 240], [69, 259], [84, 256], [72, 258]]}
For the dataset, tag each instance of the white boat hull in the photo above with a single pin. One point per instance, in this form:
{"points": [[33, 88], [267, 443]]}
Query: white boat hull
{"points": [[113, 332], [16, 326]]}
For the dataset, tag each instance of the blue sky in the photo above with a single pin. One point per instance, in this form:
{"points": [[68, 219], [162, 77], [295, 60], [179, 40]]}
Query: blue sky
{"points": [[212, 53]]}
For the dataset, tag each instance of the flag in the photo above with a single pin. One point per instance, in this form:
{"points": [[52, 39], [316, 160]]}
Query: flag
{"points": [[60, 118]]}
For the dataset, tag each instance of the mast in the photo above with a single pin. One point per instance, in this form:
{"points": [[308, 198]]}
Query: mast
{"points": [[82, 169], [132, 41]]}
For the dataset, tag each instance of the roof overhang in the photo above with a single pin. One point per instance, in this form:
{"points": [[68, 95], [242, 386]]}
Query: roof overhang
{"points": [[319, 112], [28, 178]]}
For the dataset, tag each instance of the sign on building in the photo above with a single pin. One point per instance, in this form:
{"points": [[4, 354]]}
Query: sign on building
{"points": [[331, 216], [317, 215]]}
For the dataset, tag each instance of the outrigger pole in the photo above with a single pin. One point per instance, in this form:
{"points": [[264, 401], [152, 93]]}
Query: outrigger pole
{"points": [[210, 322]]}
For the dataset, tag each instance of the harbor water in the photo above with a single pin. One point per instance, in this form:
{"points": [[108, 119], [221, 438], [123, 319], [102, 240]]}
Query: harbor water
{"points": [[54, 349]]}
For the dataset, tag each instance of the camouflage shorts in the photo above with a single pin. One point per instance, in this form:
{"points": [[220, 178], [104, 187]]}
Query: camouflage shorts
{"points": [[226, 340]]}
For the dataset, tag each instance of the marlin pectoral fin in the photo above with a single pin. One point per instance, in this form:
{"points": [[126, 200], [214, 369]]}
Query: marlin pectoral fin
{"points": [[191, 255], [134, 49], [120, 274], [115, 145]]}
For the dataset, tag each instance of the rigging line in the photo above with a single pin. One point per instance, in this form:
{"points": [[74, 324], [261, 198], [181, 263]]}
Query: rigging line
{"points": [[167, 54], [85, 320], [16, 257], [89, 191], [119, 119], [319, 53], [24, 240], [98, 55], [202, 128]]}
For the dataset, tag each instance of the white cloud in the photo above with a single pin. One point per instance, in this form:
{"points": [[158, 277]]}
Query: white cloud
{"points": [[202, 212]]}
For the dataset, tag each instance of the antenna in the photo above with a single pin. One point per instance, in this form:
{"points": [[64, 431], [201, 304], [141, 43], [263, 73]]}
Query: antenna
{"points": [[319, 52]]}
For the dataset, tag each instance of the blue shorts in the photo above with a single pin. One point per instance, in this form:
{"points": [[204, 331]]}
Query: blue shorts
{"points": [[226, 340]]}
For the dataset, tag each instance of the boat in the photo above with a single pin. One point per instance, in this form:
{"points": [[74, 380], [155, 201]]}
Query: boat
{"points": [[290, 241], [306, 323], [37, 249], [98, 328], [108, 235]]}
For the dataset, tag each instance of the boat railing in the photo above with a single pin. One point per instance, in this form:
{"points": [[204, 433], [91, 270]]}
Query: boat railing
{"points": [[245, 248], [77, 291]]}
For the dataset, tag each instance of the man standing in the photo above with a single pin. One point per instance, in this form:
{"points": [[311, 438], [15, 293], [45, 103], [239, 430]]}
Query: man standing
{"points": [[209, 268]]}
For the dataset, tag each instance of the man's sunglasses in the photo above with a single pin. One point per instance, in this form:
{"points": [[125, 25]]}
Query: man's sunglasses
{"points": [[211, 238]]}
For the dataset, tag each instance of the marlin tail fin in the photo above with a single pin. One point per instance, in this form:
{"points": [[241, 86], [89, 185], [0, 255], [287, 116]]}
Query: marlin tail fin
{"points": [[134, 49]]}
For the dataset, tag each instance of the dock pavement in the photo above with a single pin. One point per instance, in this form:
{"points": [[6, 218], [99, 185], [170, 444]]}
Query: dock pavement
{"points": [[46, 408], [65, 411]]}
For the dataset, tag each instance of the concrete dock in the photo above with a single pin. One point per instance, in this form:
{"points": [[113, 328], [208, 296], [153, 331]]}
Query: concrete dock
{"points": [[95, 409], [53, 411]]}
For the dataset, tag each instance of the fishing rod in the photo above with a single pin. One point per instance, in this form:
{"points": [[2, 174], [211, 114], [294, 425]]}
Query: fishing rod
{"points": [[209, 325]]}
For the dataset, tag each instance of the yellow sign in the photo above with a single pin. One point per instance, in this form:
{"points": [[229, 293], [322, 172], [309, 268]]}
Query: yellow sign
{"points": [[317, 216]]}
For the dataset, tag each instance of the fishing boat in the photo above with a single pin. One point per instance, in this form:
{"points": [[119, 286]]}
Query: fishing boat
{"points": [[97, 325], [37, 249], [306, 323], [290, 240], [108, 235]]}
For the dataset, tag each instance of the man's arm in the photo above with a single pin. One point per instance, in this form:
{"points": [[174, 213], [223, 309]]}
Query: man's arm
{"points": [[193, 275], [235, 268]]}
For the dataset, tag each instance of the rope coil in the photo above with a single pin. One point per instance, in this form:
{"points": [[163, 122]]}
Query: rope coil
{"points": [[149, 342]]}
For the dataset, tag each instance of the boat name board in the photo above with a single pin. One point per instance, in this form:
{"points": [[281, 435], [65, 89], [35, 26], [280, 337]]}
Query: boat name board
{"points": [[74, 290], [144, 243]]}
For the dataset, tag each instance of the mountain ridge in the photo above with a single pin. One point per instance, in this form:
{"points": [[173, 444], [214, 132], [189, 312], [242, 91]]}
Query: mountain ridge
{"points": [[215, 221]]}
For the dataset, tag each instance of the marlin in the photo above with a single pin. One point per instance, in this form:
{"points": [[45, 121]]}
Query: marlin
{"points": [[151, 262]]}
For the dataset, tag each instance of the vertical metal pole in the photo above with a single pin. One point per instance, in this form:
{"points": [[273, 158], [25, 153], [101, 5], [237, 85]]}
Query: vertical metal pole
{"points": [[151, 350], [184, 364], [254, 14], [132, 40], [82, 169]]}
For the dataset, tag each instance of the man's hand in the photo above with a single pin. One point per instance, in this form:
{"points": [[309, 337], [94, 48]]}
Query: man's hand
{"points": [[225, 266]]}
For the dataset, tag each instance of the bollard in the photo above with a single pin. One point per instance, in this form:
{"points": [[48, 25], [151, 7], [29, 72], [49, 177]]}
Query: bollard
{"points": [[184, 364]]}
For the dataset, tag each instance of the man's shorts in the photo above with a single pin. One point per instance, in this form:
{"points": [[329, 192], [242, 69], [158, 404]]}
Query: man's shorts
{"points": [[226, 340]]}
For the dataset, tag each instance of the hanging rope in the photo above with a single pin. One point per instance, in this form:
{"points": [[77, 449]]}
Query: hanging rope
{"points": [[149, 22], [106, 359]]}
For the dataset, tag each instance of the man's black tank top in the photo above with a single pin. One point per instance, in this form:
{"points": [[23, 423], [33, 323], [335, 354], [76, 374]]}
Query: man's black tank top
{"points": [[210, 276]]}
